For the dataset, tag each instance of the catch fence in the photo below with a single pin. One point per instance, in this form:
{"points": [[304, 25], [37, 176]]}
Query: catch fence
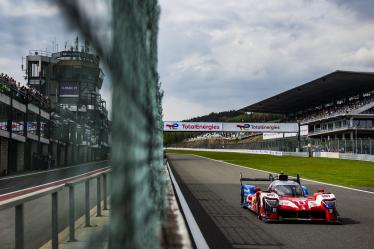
{"points": [[355, 146]]}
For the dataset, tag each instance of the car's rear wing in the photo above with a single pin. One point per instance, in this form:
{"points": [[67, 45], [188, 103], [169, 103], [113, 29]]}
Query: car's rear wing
{"points": [[271, 178], [255, 179]]}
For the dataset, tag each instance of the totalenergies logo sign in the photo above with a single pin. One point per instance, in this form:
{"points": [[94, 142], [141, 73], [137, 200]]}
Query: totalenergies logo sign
{"points": [[173, 126], [192, 126], [231, 127], [256, 127], [261, 127], [243, 127]]}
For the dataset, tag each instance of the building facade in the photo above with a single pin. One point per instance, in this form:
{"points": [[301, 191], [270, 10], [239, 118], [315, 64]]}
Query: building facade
{"points": [[79, 124], [339, 105], [24, 127]]}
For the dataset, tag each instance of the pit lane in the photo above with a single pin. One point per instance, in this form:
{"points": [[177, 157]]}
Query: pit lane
{"points": [[211, 189]]}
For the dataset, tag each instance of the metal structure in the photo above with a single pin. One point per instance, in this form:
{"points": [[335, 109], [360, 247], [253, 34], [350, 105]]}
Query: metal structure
{"points": [[339, 105], [19, 202], [356, 146]]}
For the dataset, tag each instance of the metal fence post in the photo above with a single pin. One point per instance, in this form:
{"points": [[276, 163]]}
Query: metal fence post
{"points": [[55, 220], [87, 203], [105, 193], [361, 145], [71, 214], [353, 146], [98, 211], [19, 243], [345, 146], [370, 146]]}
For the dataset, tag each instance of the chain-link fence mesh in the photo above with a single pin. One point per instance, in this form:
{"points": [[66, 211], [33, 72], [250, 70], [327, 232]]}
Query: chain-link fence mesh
{"points": [[137, 182]]}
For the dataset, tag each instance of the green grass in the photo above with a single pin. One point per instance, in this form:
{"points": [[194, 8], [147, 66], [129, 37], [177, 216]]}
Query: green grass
{"points": [[337, 171]]}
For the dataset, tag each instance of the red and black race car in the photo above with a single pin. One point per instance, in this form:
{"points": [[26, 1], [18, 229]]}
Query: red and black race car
{"points": [[287, 199]]}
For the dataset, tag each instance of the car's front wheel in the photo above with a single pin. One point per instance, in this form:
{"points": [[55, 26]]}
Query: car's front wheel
{"points": [[259, 210]]}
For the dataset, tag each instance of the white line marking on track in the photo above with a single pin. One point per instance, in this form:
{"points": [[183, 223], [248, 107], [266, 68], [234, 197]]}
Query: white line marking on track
{"points": [[198, 237], [236, 165], [5, 188]]}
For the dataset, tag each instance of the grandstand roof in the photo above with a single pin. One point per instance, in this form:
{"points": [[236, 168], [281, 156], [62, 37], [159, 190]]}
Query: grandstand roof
{"points": [[333, 86]]}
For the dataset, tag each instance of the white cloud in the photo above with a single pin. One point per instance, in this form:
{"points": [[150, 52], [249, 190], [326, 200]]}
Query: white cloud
{"points": [[175, 105], [220, 54], [18, 8], [227, 54]]}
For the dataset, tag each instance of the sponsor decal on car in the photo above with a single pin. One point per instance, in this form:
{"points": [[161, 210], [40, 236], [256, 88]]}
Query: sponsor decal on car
{"points": [[312, 204], [287, 203]]}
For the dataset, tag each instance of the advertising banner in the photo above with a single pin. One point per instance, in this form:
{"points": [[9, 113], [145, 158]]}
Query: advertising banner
{"points": [[261, 127], [231, 127], [303, 132], [192, 126], [69, 89]]}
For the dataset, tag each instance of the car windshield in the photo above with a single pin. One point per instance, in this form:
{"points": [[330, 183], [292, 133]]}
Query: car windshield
{"points": [[289, 190]]}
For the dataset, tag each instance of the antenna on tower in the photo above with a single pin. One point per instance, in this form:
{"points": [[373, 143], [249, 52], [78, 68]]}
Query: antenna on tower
{"points": [[22, 64], [55, 45], [87, 46]]}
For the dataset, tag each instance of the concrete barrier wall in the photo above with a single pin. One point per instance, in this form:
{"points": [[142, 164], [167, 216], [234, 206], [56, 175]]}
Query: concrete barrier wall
{"points": [[326, 154], [261, 152], [349, 156]]}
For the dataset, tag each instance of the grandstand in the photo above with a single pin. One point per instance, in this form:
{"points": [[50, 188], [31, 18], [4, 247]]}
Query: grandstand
{"points": [[339, 105]]}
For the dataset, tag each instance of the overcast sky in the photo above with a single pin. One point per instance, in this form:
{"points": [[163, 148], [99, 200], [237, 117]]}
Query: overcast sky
{"points": [[226, 54], [217, 55]]}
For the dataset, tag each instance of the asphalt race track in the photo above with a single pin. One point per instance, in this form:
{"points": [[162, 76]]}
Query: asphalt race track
{"points": [[19, 182], [211, 189]]}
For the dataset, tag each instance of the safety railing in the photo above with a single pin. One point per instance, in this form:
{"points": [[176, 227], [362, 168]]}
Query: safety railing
{"points": [[71, 185], [19, 202]]}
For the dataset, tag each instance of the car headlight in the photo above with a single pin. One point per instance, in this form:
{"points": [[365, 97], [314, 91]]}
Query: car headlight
{"points": [[272, 202], [330, 204]]}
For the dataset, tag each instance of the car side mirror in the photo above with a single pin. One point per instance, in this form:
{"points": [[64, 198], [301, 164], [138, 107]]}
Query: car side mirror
{"points": [[257, 189], [321, 190]]}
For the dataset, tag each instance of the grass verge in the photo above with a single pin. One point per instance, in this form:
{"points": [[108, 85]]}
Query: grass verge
{"points": [[336, 171]]}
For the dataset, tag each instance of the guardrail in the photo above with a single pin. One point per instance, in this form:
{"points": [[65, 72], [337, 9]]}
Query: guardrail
{"points": [[18, 204]]}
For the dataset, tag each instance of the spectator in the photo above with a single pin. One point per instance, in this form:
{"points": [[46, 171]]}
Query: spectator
{"points": [[337, 109], [28, 94], [49, 160]]}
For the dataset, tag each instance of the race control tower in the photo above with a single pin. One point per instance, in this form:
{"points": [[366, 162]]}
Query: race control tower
{"points": [[72, 80]]}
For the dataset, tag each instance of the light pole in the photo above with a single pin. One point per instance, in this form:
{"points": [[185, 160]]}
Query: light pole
{"points": [[298, 136], [356, 126]]}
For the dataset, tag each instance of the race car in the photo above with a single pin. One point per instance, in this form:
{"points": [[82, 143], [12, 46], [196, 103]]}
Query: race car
{"points": [[287, 199]]}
